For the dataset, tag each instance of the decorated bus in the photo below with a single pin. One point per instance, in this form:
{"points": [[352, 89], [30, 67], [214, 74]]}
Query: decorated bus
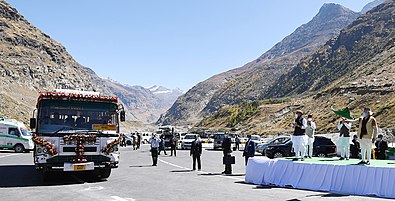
{"points": [[76, 131]]}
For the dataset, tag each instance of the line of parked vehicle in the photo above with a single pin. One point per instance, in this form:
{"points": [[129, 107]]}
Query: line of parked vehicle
{"points": [[282, 147], [275, 148]]}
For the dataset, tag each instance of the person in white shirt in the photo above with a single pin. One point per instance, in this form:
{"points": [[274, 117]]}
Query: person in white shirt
{"points": [[299, 136], [154, 149], [344, 127], [310, 132]]}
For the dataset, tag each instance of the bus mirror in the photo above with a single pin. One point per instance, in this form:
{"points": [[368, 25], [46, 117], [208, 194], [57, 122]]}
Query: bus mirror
{"points": [[32, 123], [122, 116]]}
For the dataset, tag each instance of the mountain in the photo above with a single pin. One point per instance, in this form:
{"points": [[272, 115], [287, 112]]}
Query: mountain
{"points": [[355, 69], [31, 61], [342, 57], [248, 82], [371, 5]]}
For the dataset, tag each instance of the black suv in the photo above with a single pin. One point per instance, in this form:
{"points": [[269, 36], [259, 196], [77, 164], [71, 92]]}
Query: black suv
{"points": [[322, 147]]}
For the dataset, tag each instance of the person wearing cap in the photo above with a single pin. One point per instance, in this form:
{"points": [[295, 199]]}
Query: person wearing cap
{"points": [[310, 132], [154, 149], [367, 133], [344, 126], [299, 136], [381, 148]]}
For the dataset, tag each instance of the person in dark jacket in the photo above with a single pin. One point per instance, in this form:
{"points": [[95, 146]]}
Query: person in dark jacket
{"points": [[227, 150], [237, 142], [249, 149], [173, 145], [381, 148], [138, 140], [162, 145], [355, 148], [196, 152]]}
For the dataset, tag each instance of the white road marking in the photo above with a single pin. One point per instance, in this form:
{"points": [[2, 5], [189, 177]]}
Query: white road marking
{"points": [[117, 198], [94, 188], [9, 155], [177, 166], [174, 165]]}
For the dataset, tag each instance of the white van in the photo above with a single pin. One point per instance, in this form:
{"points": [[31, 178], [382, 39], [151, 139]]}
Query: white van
{"points": [[14, 135]]}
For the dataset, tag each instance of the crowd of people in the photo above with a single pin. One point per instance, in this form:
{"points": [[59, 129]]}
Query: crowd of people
{"points": [[158, 145], [302, 142], [135, 140], [367, 136]]}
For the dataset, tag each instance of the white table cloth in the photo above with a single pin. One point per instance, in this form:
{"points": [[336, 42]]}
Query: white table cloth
{"points": [[343, 179]]}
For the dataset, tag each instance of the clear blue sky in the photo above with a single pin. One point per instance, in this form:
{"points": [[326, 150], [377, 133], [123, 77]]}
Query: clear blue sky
{"points": [[173, 43]]}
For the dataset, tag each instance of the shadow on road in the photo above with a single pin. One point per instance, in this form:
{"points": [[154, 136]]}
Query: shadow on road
{"points": [[211, 149], [8, 151], [140, 166], [329, 195], [26, 176], [216, 174], [180, 171]]}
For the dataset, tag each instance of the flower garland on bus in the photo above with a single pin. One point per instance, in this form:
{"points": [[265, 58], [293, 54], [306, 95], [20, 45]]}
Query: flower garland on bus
{"points": [[80, 139], [44, 143], [77, 96], [109, 146]]}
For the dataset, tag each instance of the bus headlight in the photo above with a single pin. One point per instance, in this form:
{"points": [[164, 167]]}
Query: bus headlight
{"points": [[116, 148], [39, 150], [45, 151]]}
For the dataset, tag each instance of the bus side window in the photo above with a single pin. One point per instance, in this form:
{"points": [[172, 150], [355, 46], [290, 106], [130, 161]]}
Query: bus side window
{"points": [[13, 131]]}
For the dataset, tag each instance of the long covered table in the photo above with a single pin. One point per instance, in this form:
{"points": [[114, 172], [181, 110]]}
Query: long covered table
{"points": [[344, 177]]}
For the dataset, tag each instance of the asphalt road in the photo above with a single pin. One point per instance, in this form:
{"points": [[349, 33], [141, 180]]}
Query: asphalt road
{"points": [[136, 179]]}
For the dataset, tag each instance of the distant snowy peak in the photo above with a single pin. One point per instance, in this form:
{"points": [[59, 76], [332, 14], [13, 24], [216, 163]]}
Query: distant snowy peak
{"points": [[162, 90]]}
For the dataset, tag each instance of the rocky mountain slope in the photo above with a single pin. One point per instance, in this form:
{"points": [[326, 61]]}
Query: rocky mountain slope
{"points": [[342, 56], [250, 81], [31, 61], [354, 69]]}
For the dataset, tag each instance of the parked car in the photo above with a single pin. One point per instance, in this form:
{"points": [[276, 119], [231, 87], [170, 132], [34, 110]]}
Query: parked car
{"points": [[256, 139], [322, 147], [186, 143], [218, 139], [278, 140], [128, 140], [145, 137]]}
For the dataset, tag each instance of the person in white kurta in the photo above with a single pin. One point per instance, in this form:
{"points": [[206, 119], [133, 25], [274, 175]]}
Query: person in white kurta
{"points": [[299, 136], [344, 127], [310, 132]]}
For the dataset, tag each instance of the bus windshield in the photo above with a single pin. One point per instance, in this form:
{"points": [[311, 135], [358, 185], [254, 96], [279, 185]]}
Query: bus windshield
{"points": [[60, 116]]}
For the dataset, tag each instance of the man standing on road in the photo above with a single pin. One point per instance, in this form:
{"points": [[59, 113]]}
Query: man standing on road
{"points": [[162, 146], [381, 148], [154, 149], [196, 152], [299, 136], [367, 133], [237, 142], [173, 145], [344, 127], [227, 150], [310, 132], [249, 149], [138, 140]]}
